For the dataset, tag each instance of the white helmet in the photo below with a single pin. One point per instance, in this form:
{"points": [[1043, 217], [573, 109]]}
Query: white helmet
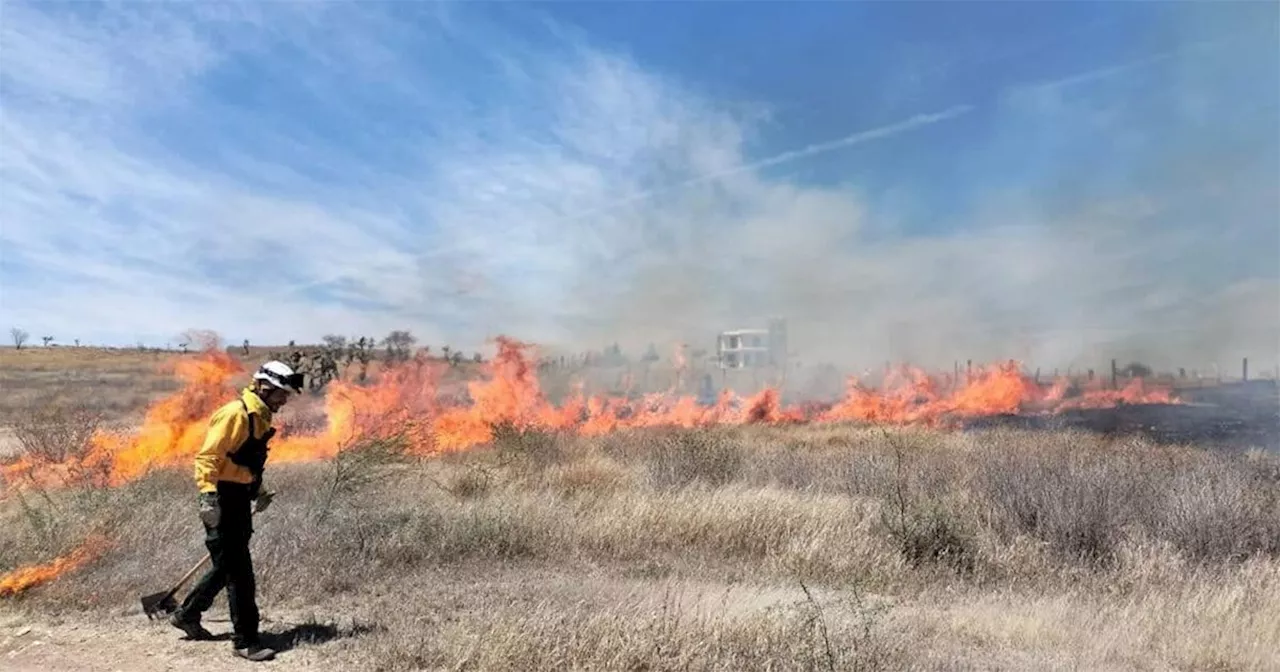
{"points": [[280, 375]]}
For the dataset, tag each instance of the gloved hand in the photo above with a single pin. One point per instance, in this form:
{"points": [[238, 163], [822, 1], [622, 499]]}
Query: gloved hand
{"points": [[210, 510], [263, 501]]}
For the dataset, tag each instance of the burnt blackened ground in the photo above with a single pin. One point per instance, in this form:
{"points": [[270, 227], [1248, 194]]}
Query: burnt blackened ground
{"points": [[1234, 416]]}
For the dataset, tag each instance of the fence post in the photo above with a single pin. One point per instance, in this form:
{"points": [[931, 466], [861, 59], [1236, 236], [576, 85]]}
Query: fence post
{"points": [[1114, 375]]}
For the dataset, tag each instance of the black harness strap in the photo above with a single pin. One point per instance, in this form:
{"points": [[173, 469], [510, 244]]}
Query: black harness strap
{"points": [[252, 454]]}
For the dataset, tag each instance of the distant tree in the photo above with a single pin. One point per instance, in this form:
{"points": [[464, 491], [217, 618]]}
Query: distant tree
{"points": [[47, 340], [477, 358], [77, 342], [399, 344], [401, 339], [335, 341], [613, 356], [19, 337], [199, 339], [650, 355], [1136, 370]]}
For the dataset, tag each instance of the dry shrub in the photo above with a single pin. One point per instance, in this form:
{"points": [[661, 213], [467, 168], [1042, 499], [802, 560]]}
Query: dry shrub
{"points": [[1071, 500], [468, 482], [1085, 498], [53, 432], [933, 535], [682, 458], [592, 475], [526, 447], [1229, 510], [921, 492], [361, 465]]}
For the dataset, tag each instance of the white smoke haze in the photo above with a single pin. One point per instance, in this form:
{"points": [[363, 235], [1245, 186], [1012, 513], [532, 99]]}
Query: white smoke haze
{"points": [[593, 201]]}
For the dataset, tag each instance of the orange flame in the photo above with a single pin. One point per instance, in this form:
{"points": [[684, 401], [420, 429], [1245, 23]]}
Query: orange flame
{"points": [[913, 397], [23, 578], [418, 401]]}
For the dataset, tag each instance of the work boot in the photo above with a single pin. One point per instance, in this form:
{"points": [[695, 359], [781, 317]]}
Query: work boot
{"points": [[255, 652], [194, 630]]}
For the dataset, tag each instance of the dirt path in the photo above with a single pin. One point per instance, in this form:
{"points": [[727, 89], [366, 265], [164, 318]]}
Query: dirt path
{"points": [[134, 644], [126, 641]]}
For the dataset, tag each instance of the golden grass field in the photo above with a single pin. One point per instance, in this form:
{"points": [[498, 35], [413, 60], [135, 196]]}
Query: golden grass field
{"points": [[121, 382], [730, 548]]}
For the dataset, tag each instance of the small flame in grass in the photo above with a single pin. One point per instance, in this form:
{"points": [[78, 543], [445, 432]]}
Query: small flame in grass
{"points": [[19, 580], [422, 401]]}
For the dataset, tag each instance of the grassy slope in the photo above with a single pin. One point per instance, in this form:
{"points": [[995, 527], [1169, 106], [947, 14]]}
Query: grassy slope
{"points": [[694, 550]]}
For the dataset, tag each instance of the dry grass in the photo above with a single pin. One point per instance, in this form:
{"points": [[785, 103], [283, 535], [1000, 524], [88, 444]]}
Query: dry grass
{"points": [[749, 548], [116, 383]]}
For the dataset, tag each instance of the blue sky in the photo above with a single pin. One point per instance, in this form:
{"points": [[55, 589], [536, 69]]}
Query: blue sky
{"points": [[1062, 182]]}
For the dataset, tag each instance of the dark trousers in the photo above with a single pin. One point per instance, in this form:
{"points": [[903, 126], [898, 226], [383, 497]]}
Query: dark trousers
{"points": [[232, 567]]}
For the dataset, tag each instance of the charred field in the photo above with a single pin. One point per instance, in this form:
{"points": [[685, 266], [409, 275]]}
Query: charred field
{"points": [[506, 532], [1231, 416]]}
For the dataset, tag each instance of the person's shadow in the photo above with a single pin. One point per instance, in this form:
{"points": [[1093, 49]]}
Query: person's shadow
{"points": [[302, 633], [309, 633]]}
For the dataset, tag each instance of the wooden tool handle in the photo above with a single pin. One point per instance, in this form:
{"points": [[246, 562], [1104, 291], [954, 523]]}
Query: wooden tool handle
{"points": [[191, 572]]}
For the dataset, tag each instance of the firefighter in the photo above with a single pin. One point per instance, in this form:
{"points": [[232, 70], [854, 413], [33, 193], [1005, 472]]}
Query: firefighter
{"points": [[228, 474]]}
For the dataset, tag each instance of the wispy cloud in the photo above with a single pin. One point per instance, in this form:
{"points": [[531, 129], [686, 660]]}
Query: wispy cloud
{"points": [[282, 171]]}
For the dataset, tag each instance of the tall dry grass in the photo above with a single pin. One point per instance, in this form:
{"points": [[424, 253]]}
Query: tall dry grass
{"points": [[732, 548]]}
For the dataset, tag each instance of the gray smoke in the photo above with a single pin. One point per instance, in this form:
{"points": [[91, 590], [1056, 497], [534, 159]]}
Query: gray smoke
{"points": [[1155, 237]]}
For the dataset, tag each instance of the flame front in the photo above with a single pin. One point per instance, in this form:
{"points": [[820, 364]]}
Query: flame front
{"points": [[418, 401], [22, 578]]}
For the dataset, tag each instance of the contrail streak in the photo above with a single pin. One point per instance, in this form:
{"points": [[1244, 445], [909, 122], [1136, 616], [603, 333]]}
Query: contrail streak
{"points": [[824, 147], [1107, 71], [812, 150]]}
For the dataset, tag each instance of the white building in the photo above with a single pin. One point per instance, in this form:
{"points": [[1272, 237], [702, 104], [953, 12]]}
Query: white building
{"points": [[753, 348]]}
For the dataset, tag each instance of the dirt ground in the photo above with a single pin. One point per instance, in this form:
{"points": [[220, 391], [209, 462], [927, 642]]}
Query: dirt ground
{"points": [[134, 644], [125, 641]]}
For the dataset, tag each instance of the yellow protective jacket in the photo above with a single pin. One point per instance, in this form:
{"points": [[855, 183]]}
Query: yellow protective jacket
{"points": [[228, 429]]}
